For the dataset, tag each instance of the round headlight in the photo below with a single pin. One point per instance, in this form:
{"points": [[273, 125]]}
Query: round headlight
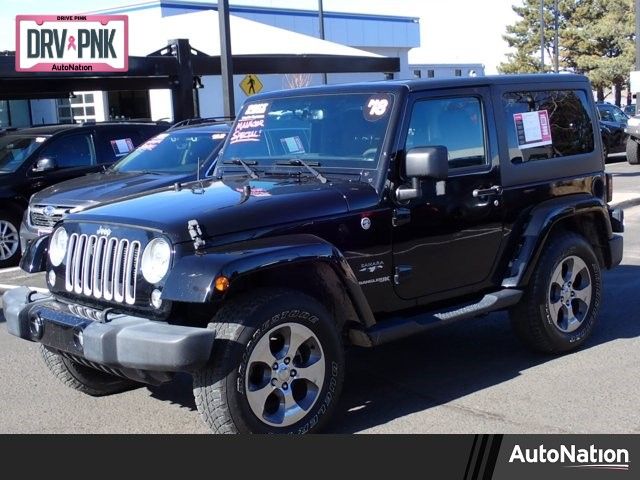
{"points": [[155, 260], [58, 246]]}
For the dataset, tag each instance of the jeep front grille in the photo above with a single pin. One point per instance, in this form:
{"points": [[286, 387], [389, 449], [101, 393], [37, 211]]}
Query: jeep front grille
{"points": [[102, 267]]}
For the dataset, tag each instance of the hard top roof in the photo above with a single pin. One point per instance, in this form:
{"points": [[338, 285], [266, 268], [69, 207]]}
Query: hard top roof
{"points": [[432, 84]]}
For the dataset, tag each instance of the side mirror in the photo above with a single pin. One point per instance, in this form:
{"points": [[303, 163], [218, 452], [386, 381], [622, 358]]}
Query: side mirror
{"points": [[45, 165], [423, 162]]}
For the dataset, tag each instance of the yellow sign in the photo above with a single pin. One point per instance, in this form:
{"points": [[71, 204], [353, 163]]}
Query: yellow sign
{"points": [[251, 85]]}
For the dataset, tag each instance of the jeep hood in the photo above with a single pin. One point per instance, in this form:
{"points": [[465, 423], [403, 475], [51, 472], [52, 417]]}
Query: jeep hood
{"points": [[232, 205], [99, 188]]}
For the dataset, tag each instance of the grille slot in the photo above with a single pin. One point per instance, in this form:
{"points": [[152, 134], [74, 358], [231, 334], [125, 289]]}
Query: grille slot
{"points": [[102, 267]]}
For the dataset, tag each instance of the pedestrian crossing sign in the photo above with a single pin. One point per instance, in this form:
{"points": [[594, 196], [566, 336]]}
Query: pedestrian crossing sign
{"points": [[251, 85]]}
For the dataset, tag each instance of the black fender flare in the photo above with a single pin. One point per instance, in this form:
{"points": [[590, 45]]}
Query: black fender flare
{"points": [[192, 277], [542, 219]]}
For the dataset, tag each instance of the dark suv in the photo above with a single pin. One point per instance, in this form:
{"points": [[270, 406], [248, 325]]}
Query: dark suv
{"points": [[34, 158], [180, 154], [337, 215], [613, 122]]}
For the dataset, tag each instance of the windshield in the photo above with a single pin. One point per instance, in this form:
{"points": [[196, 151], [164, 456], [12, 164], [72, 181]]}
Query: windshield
{"points": [[338, 130], [15, 149], [172, 152]]}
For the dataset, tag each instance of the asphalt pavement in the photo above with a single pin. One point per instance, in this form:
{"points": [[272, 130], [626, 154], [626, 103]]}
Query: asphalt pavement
{"points": [[470, 377]]}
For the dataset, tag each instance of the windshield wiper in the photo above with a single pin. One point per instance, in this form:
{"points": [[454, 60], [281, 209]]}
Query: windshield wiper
{"points": [[301, 163], [245, 165]]}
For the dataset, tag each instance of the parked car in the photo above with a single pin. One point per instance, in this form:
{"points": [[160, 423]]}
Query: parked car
{"points": [[613, 122], [633, 140], [630, 109], [336, 215], [32, 159], [166, 159]]}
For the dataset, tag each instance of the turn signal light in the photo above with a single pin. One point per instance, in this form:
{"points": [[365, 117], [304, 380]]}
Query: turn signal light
{"points": [[222, 284]]}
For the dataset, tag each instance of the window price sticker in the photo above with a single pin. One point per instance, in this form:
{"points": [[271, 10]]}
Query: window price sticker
{"points": [[533, 129]]}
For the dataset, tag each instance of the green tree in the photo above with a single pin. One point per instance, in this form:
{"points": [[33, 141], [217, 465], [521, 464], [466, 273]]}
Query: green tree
{"points": [[596, 38], [524, 36], [601, 38]]}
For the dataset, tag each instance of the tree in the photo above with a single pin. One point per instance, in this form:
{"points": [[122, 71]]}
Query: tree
{"points": [[524, 36], [601, 37], [597, 38]]}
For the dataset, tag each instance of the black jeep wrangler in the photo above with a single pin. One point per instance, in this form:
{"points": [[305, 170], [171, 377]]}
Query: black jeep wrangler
{"points": [[341, 215]]}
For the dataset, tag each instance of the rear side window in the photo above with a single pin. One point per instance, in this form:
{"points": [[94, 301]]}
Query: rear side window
{"points": [[547, 124], [114, 144]]}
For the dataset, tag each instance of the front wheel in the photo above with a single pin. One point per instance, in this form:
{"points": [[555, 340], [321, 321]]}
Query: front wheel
{"points": [[84, 379], [277, 367], [9, 239], [633, 156], [559, 309]]}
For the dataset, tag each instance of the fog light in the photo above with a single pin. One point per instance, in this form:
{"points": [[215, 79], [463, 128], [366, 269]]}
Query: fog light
{"points": [[36, 327], [222, 283], [156, 301], [51, 277]]}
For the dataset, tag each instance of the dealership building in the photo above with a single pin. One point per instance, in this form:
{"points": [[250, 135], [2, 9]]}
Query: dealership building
{"points": [[255, 30]]}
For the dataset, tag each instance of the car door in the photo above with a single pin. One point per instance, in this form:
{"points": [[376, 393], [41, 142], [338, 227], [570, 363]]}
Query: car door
{"points": [[73, 155], [448, 238]]}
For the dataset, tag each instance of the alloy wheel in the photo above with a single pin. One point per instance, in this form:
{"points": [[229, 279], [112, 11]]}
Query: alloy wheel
{"points": [[285, 374], [570, 294], [9, 240]]}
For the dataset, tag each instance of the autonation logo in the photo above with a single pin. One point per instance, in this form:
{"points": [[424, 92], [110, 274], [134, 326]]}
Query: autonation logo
{"points": [[573, 457]]}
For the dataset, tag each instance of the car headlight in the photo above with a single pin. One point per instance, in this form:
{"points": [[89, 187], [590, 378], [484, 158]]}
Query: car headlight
{"points": [[155, 260], [58, 246], [633, 121]]}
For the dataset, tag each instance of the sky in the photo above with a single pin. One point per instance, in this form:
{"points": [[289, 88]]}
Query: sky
{"points": [[452, 31]]}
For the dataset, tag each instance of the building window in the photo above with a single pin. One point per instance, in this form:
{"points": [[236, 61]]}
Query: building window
{"points": [[431, 73], [458, 72], [417, 74], [79, 108]]}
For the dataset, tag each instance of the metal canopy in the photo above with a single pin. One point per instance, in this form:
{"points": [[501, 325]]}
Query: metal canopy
{"points": [[174, 67]]}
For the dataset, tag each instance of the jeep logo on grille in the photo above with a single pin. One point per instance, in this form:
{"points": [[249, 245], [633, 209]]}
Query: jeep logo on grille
{"points": [[104, 231], [49, 211]]}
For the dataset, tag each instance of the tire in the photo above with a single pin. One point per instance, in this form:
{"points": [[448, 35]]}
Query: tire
{"points": [[235, 394], [633, 156], [543, 319], [9, 239], [84, 379], [605, 151]]}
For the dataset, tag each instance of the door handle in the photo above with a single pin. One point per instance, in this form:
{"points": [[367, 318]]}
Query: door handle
{"points": [[486, 192]]}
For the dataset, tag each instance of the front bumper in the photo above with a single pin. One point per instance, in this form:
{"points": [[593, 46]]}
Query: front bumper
{"points": [[28, 234], [122, 341]]}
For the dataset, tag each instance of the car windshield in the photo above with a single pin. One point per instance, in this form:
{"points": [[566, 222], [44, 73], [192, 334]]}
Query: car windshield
{"points": [[335, 130], [15, 149], [172, 152]]}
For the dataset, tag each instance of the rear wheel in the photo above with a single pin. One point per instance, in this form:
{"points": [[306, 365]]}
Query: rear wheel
{"points": [[9, 239], [560, 306], [84, 379], [278, 366], [633, 156]]}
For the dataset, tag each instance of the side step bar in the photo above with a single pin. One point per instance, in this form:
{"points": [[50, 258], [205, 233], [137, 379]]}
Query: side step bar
{"points": [[396, 328]]}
